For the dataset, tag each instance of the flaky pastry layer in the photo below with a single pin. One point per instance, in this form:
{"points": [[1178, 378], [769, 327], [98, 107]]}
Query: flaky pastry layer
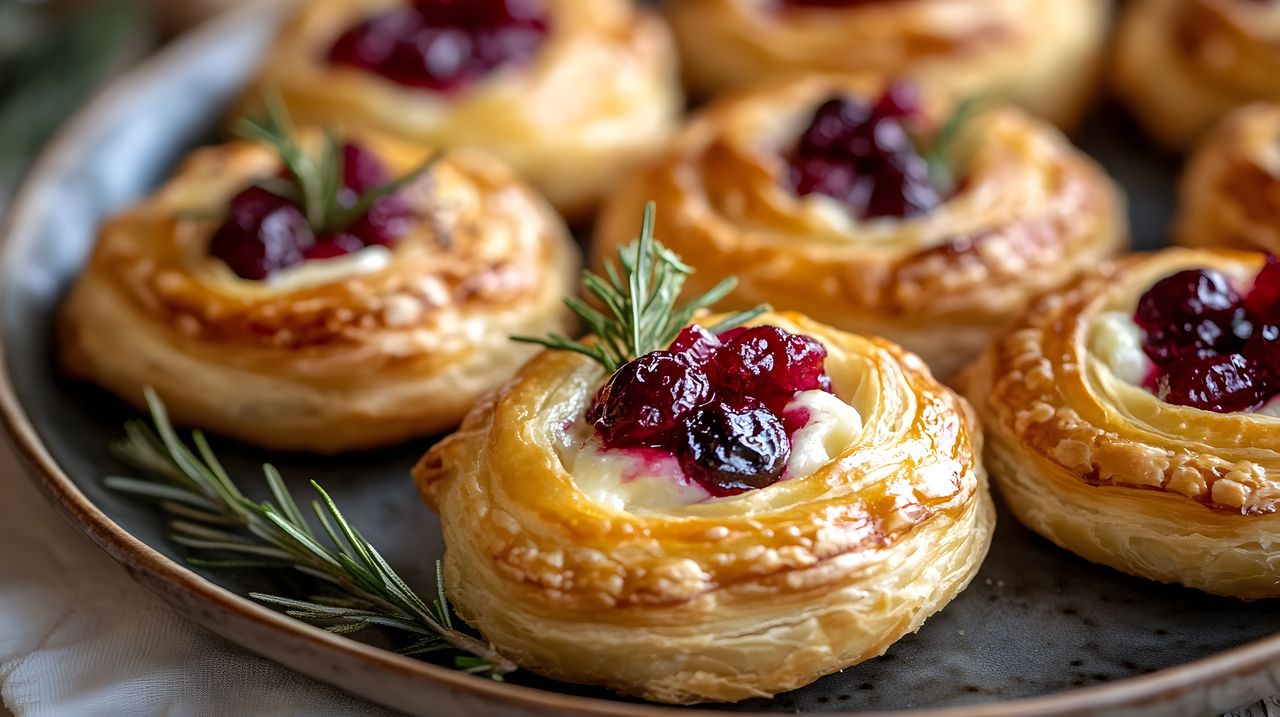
{"points": [[1109, 471], [1031, 212], [1043, 54], [726, 599], [366, 359], [1183, 64], [1230, 193], [602, 94]]}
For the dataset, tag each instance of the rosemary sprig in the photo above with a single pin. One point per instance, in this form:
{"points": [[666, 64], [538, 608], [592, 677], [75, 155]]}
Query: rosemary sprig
{"points": [[315, 180], [939, 155], [640, 313], [209, 513]]}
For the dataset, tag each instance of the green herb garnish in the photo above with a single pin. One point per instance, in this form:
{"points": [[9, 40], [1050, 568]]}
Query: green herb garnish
{"points": [[939, 156], [315, 179], [640, 313], [210, 514]]}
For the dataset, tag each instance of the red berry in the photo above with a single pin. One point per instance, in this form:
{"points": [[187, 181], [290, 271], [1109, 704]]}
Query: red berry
{"points": [[361, 169], [444, 45], [1263, 300], [696, 344], [769, 364], [1194, 312], [903, 188], [387, 220], [446, 12], [645, 401], [728, 334], [263, 233], [734, 445], [1187, 297], [331, 246], [866, 157], [1216, 383], [369, 44], [833, 177], [1263, 348], [900, 100], [833, 126]]}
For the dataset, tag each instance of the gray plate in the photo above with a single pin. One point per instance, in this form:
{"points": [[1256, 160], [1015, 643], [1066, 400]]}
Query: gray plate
{"points": [[1036, 622]]}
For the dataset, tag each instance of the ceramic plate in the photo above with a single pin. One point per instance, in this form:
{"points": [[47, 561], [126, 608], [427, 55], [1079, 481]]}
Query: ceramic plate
{"points": [[1040, 632]]}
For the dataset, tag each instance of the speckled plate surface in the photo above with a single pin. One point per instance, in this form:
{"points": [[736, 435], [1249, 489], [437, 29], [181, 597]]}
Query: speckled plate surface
{"points": [[1040, 632]]}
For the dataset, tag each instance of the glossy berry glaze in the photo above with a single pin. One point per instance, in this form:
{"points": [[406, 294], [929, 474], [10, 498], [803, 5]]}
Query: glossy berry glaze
{"points": [[265, 233], [864, 156], [444, 45], [1212, 347], [715, 402]]}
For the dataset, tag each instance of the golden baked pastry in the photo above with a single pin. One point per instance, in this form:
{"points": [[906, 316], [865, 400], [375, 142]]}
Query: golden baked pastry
{"points": [[1182, 64], [1043, 54], [568, 93], [322, 354], [731, 516], [1164, 467], [1026, 211], [1230, 193]]}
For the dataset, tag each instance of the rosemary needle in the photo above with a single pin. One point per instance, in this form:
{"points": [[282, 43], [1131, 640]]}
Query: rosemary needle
{"points": [[210, 514]]}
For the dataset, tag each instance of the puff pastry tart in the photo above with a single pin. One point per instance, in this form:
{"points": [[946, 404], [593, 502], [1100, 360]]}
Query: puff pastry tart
{"points": [[877, 212], [1183, 64], [261, 307], [568, 93], [1132, 418], [1230, 194], [729, 517], [1043, 54]]}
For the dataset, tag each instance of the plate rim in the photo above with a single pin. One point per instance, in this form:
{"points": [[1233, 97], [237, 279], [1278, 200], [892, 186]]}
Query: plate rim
{"points": [[152, 569]]}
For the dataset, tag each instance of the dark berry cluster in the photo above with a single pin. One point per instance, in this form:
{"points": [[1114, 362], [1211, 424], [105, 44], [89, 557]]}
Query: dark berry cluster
{"points": [[1213, 347], [265, 233], [444, 45], [714, 402], [864, 156]]}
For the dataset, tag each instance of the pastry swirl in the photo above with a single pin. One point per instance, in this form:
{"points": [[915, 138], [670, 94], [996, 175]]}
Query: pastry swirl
{"points": [[725, 599], [1230, 193], [1030, 212], [1105, 468], [1043, 54], [1183, 64], [333, 355], [600, 94]]}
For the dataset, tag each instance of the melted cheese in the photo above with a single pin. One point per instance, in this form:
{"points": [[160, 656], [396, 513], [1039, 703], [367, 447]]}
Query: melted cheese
{"points": [[329, 271], [1270, 408], [1117, 342], [832, 427]]}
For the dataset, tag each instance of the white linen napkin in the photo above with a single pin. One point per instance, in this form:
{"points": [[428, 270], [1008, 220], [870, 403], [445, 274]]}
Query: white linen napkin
{"points": [[79, 637]]}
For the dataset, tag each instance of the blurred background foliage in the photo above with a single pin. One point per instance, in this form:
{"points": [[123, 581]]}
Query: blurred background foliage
{"points": [[53, 56]]}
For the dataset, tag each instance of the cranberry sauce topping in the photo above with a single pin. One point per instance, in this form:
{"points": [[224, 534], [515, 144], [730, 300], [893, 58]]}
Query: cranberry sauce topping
{"points": [[1213, 348], [714, 402], [643, 402], [265, 233], [444, 45], [734, 445], [864, 156], [1222, 383]]}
